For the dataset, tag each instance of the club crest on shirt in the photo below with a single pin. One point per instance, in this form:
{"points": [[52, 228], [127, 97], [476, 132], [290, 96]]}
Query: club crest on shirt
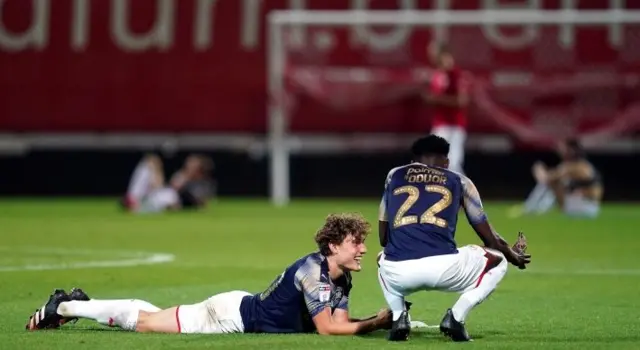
{"points": [[324, 293]]}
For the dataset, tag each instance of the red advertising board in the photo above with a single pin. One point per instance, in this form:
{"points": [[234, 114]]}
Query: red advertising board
{"points": [[199, 65]]}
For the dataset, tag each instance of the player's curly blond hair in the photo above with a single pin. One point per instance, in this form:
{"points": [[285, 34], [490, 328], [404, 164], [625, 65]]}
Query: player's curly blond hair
{"points": [[337, 227]]}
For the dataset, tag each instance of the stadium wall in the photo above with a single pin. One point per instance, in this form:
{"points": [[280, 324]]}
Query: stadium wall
{"points": [[504, 176]]}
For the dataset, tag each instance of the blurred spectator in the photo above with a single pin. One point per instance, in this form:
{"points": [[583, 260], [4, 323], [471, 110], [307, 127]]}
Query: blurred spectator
{"points": [[190, 187], [575, 185], [447, 95]]}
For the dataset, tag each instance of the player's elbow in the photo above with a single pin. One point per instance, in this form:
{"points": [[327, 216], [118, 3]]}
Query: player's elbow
{"points": [[325, 325], [326, 330]]}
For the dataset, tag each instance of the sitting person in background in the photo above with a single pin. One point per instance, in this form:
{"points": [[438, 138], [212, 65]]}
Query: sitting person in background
{"points": [[575, 185], [147, 177], [193, 182], [190, 187]]}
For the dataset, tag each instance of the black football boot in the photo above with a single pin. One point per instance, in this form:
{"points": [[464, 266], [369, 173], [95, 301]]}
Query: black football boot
{"points": [[453, 329], [76, 294], [47, 316], [400, 328]]}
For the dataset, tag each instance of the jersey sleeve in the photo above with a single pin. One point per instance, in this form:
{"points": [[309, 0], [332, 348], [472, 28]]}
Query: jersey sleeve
{"points": [[315, 286], [382, 211], [471, 202], [343, 303]]}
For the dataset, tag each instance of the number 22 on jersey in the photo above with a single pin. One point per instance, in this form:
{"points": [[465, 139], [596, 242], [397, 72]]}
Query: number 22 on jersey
{"points": [[430, 215]]}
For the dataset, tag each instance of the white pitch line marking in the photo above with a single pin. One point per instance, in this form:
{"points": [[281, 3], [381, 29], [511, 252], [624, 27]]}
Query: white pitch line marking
{"points": [[115, 259], [597, 272]]}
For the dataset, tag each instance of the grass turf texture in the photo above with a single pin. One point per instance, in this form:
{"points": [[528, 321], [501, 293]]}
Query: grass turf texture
{"points": [[581, 290]]}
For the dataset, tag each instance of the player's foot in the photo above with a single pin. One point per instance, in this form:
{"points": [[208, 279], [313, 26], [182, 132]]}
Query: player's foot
{"points": [[47, 316], [453, 329], [76, 294], [401, 328]]}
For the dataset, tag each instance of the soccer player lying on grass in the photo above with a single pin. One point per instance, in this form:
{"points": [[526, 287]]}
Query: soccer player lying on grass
{"points": [[190, 187], [312, 294]]}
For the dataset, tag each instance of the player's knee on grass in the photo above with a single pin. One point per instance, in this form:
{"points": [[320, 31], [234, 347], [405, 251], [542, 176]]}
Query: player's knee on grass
{"points": [[164, 321]]}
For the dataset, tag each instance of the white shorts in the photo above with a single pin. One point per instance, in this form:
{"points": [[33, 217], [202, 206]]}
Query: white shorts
{"points": [[451, 272], [456, 136], [578, 205], [216, 315], [159, 200]]}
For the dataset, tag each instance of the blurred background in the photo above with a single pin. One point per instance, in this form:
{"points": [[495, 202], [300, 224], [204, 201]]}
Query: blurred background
{"points": [[89, 87]]}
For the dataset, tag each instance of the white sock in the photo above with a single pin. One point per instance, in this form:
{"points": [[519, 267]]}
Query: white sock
{"points": [[535, 196], [546, 202], [468, 300], [122, 313], [394, 299]]}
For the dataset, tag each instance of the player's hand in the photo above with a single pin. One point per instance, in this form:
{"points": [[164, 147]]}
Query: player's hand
{"points": [[520, 248], [385, 318]]}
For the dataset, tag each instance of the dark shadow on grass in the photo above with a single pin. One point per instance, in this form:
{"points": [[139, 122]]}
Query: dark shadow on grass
{"points": [[90, 329], [433, 334], [579, 339]]}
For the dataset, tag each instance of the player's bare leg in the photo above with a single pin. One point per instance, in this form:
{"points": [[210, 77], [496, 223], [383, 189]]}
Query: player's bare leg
{"points": [[452, 324], [165, 321]]}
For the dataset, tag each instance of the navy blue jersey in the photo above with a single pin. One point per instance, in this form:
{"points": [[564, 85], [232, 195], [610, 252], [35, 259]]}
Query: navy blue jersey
{"points": [[297, 295], [421, 204]]}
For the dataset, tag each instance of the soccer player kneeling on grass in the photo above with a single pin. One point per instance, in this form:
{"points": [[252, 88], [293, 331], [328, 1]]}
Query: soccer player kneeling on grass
{"points": [[311, 295], [418, 218]]}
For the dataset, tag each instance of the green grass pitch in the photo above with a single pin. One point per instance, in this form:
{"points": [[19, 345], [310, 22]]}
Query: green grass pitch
{"points": [[581, 291]]}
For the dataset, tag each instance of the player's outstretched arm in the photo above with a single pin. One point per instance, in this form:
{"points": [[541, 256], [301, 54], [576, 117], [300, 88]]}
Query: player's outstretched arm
{"points": [[383, 224], [317, 295], [478, 219], [341, 313], [383, 221], [328, 324]]}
